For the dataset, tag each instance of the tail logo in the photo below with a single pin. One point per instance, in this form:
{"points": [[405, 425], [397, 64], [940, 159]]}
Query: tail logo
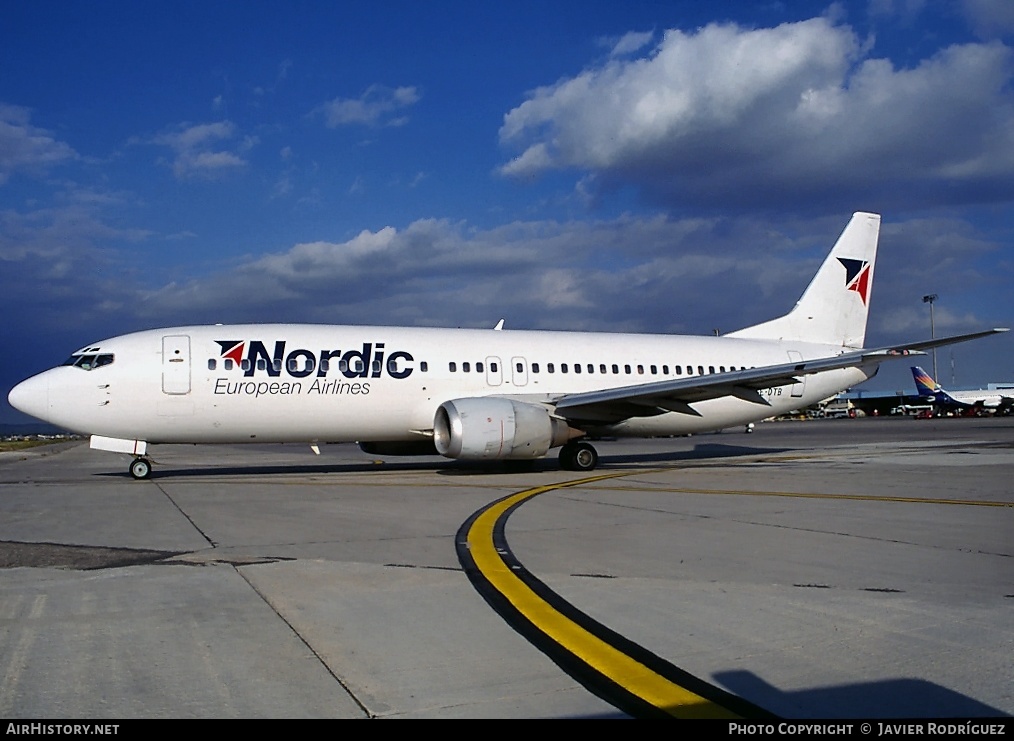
{"points": [[924, 383], [857, 276]]}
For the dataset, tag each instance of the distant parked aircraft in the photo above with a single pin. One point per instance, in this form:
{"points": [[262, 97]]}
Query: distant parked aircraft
{"points": [[933, 392]]}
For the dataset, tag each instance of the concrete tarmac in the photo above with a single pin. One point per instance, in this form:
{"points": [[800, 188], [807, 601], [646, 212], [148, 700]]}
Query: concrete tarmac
{"points": [[822, 569]]}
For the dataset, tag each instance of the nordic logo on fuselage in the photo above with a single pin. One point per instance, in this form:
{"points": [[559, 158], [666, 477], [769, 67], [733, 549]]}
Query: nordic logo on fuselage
{"points": [[371, 361]]}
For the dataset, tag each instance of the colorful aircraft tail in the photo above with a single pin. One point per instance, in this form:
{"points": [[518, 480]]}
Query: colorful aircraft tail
{"points": [[932, 391], [924, 383], [834, 307]]}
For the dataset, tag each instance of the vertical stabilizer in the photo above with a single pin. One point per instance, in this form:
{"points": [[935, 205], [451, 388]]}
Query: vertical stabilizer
{"points": [[834, 307], [924, 383]]}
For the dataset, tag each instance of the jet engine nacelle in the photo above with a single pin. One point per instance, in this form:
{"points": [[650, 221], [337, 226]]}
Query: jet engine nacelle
{"points": [[496, 429]]}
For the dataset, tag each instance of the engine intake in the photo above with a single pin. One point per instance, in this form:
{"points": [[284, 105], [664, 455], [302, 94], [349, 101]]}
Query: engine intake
{"points": [[496, 429]]}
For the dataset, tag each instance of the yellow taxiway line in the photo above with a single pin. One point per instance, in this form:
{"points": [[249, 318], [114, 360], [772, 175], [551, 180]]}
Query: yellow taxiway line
{"points": [[568, 630]]}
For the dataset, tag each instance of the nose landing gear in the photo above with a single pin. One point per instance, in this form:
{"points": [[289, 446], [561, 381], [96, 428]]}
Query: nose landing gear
{"points": [[140, 468]]}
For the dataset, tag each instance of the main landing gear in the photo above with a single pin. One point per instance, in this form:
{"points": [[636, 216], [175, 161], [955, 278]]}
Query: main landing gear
{"points": [[578, 456], [140, 468]]}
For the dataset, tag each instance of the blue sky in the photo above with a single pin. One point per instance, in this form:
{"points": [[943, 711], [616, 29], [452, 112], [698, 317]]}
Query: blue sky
{"points": [[644, 166]]}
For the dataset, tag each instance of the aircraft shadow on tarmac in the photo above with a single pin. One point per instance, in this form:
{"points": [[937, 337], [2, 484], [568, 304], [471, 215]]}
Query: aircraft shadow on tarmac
{"points": [[704, 451], [162, 471], [888, 698], [445, 467]]}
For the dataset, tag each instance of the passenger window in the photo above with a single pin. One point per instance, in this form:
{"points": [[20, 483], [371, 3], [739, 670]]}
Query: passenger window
{"points": [[577, 367], [211, 364], [521, 369], [626, 369], [245, 364], [478, 367], [424, 366], [453, 367], [550, 368], [375, 367], [602, 368], [616, 369], [711, 369], [262, 364], [535, 367], [640, 370], [563, 367], [700, 370], [228, 364], [492, 367]]}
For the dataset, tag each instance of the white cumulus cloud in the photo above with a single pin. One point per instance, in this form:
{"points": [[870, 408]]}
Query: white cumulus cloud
{"points": [[24, 147], [201, 151], [378, 106], [730, 115]]}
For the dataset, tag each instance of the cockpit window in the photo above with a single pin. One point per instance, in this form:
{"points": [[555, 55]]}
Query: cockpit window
{"points": [[90, 362]]}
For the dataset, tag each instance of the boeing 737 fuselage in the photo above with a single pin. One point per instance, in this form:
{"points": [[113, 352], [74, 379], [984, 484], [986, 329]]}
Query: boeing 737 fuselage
{"points": [[470, 394]]}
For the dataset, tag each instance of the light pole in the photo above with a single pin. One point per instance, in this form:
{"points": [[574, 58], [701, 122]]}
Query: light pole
{"points": [[929, 299]]}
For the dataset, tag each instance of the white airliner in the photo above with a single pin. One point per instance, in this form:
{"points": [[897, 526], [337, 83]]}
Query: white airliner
{"points": [[470, 394], [979, 399]]}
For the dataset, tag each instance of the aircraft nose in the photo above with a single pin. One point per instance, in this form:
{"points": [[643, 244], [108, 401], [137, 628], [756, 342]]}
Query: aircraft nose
{"points": [[31, 396]]}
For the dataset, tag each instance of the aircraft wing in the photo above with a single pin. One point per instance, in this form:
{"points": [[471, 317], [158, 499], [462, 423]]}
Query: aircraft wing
{"points": [[917, 347], [677, 395]]}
